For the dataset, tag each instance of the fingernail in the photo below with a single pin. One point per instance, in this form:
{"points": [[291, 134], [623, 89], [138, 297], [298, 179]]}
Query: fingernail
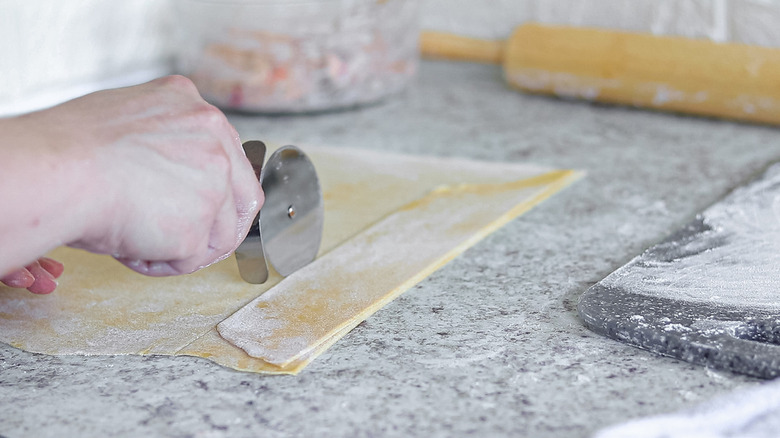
{"points": [[44, 282], [21, 279], [54, 267]]}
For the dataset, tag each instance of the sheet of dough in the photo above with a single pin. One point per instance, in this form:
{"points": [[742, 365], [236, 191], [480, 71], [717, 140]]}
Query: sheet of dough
{"points": [[379, 207]]}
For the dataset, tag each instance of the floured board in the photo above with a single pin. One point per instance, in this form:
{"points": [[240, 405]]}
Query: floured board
{"points": [[390, 220], [710, 293]]}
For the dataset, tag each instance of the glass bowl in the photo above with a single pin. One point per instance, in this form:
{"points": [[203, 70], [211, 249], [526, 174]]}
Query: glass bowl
{"points": [[289, 56]]}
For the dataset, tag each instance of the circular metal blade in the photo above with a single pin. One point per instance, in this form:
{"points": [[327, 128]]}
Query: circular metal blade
{"points": [[292, 216]]}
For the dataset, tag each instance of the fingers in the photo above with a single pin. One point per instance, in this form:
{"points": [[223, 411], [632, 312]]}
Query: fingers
{"points": [[54, 267], [186, 264], [150, 268], [226, 232], [247, 193], [198, 203], [21, 278], [244, 197], [44, 281], [38, 277], [216, 244], [223, 238]]}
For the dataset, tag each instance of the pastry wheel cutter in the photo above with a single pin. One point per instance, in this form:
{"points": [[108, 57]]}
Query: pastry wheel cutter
{"points": [[287, 232]]}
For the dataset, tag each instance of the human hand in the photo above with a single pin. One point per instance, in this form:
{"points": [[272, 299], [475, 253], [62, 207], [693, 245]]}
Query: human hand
{"points": [[151, 174], [179, 192], [37, 277]]}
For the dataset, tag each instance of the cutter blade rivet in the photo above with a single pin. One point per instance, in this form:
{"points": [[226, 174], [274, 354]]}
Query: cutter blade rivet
{"points": [[291, 212]]}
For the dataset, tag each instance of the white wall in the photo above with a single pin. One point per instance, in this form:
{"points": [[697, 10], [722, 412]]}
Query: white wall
{"points": [[51, 50]]}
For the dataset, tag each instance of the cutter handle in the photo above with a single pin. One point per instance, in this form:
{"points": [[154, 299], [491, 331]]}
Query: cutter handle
{"points": [[250, 255]]}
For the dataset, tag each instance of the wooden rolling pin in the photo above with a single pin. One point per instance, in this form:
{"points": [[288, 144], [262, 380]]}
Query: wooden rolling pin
{"points": [[694, 76]]}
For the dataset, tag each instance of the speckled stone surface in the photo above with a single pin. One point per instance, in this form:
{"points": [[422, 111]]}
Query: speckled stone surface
{"points": [[490, 345], [707, 294]]}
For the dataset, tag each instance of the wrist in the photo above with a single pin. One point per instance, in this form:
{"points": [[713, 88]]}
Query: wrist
{"points": [[55, 172]]}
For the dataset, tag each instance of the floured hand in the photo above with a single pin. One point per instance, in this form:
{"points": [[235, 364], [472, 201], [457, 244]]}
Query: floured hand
{"points": [[150, 174]]}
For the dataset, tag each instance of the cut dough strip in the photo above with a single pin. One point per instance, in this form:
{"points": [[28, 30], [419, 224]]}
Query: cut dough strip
{"points": [[308, 311]]}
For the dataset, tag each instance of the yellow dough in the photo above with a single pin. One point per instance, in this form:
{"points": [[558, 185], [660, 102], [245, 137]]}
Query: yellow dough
{"points": [[390, 220]]}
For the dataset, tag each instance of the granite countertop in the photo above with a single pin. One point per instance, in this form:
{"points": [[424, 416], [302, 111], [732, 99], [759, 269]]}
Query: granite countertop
{"points": [[489, 345]]}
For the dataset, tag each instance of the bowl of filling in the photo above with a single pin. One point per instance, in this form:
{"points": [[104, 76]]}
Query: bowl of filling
{"points": [[293, 56]]}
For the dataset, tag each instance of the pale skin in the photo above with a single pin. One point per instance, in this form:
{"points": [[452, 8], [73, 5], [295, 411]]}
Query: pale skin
{"points": [[151, 174]]}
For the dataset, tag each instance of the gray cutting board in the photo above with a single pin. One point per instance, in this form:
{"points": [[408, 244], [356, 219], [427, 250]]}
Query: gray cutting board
{"points": [[710, 293]]}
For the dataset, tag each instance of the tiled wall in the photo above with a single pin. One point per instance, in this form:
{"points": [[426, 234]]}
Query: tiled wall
{"points": [[54, 49]]}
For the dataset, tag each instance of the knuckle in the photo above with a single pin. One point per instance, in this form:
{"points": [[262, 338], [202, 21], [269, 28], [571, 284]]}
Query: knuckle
{"points": [[208, 117], [178, 82], [212, 115]]}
